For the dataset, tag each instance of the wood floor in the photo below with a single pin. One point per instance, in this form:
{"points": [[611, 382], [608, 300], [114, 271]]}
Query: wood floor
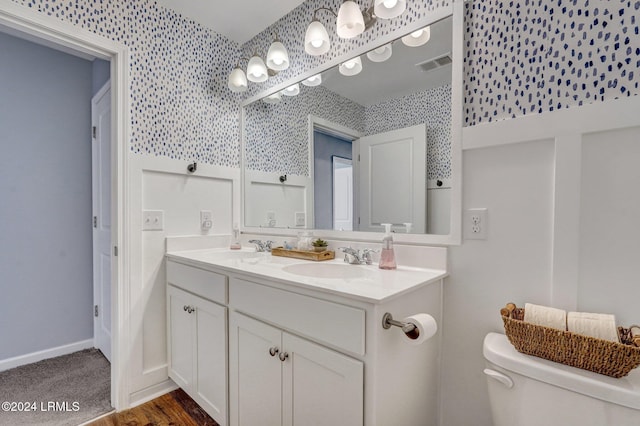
{"points": [[173, 409]]}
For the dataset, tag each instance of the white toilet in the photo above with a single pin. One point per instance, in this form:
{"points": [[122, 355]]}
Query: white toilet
{"points": [[530, 391]]}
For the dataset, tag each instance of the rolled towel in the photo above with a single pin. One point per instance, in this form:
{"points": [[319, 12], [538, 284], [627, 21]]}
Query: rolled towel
{"points": [[545, 316], [600, 326]]}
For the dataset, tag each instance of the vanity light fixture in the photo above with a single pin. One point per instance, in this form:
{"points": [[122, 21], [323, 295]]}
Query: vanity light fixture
{"points": [[351, 67], [292, 90], [380, 54], [314, 80], [272, 99], [277, 57], [418, 37], [387, 9], [350, 22], [257, 70]]}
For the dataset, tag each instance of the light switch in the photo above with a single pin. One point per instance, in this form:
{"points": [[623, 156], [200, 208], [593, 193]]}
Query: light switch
{"points": [[152, 220], [300, 218]]}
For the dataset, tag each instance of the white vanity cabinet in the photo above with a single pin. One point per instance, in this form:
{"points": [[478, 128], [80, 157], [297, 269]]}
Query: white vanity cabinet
{"points": [[277, 379], [197, 337]]}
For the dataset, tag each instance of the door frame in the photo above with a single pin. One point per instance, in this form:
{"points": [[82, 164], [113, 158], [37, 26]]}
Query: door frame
{"points": [[51, 32]]}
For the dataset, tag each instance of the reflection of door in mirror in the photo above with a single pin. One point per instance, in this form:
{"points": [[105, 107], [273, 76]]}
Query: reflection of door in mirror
{"points": [[342, 194], [393, 180], [328, 145]]}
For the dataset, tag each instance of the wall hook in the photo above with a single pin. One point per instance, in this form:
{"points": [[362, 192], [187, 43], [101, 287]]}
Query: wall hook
{"points": [[283, 178], [191, 168]]}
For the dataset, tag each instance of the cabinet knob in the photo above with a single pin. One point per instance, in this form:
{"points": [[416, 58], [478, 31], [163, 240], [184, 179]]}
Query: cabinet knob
{"points": [[185, 307], [283, 356], [189, 309], [273, 351]]}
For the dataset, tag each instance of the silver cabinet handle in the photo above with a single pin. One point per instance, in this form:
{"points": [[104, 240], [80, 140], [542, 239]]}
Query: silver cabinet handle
{"points": [[273, 350], [283, 356], [188, 309], [185, 307]]}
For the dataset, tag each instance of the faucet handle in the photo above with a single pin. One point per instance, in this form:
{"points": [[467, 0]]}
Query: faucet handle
{"points": [[366, 255]]}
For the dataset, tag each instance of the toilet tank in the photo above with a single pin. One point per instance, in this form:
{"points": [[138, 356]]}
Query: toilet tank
{"points": [[530, 391]]}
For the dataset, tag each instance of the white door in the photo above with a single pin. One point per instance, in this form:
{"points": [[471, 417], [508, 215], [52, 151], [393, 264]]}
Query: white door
{"points": [[181, 337], [255, 376], [393, 179], [320, 386], [101, 175], [342, 194]]}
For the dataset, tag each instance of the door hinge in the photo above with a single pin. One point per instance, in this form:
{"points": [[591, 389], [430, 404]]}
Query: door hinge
{"points": [[95, 221], [115, 250], [358, 156], [94, 131], [95, 310], [358, 220]]}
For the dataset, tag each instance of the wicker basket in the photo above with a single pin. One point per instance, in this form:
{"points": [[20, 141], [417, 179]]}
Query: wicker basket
{"points": [[601, 356]]}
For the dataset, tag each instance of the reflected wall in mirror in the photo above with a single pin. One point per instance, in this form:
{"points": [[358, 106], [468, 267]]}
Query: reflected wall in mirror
{"points": [[357, 150]]}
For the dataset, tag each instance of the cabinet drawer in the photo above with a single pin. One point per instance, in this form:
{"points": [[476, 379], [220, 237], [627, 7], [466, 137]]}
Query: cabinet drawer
{"points": [[206, 284], [329, 322]]}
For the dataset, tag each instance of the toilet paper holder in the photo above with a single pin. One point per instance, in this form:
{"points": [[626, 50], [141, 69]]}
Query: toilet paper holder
{"points": [[407, 328]]}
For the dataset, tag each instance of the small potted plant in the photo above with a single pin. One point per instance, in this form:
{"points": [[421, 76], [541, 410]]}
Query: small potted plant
{"points": [[319, 244]]}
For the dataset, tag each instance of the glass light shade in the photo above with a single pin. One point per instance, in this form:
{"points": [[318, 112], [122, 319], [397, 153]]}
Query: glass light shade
{"points": [[257, 70], [351, 67], [350, 20], [315, 80], [277, 57], [316, 39], [417, 38], [387, 9], [237, 80], [292, 90], [380, 54], [272, 99]]}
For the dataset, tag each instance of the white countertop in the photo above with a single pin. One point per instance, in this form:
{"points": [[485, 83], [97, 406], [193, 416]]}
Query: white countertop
{"points": [[362, 282]]}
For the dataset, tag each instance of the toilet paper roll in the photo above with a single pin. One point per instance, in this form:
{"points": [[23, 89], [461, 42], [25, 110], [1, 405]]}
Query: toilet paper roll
{"points": [[545, 316], [426, 328], [600, 326]]}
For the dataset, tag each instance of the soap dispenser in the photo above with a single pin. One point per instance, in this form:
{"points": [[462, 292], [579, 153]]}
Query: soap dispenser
{"points": [[387, 256], [235, 239]]}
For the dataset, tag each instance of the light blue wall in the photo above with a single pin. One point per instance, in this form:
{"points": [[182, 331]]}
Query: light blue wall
{"points": [[324, 148], [45, 198], [100, 74]]}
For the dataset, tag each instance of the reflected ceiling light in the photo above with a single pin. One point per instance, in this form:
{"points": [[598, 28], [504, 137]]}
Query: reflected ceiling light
{"points": [[314, 80], [387, 9], [417, 38], [380, 54], [257, 70], [350, 22], [277, 57], [272, 99], [238, 79], [292, 90], [351, 67]]}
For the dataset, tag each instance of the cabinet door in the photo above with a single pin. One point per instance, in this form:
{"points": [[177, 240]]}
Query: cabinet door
{"points": [[320, 386], [181, 338], [210, 384], [255, 376]]}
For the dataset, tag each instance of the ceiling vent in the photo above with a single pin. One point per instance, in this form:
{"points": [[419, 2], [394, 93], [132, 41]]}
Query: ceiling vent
{"points": [[435, 63]]}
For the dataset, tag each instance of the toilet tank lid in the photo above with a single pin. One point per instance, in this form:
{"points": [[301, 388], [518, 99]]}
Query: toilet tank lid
{"points": [[624, 391]]}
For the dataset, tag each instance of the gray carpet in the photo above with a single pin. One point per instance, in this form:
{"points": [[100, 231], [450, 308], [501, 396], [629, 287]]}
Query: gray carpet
{"points": [[67, 390]]}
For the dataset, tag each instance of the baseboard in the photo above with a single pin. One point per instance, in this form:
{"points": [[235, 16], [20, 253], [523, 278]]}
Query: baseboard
{"points": [[17, 361], [147, 394]]}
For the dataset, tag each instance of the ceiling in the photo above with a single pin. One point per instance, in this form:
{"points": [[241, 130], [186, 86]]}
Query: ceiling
{"points": [[238, 20]]}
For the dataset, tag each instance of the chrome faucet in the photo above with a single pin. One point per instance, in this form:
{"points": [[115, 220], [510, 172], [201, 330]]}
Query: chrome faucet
{"points": [[356, 257], [262, 246]]}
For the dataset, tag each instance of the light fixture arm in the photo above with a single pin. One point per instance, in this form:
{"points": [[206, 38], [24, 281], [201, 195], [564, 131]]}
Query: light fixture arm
{"points": [[315, 12]]}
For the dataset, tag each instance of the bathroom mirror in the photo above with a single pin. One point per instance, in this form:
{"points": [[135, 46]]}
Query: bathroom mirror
{"points": [[341, 153]]}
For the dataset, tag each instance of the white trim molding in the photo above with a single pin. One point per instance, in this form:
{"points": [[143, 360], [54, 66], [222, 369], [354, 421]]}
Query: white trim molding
{"points": [[17, 361], [566, 128], [51, 31]]}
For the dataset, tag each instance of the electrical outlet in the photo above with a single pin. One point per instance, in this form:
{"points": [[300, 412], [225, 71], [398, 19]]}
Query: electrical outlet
{"points": [[152, 220], [206, 220], [300, 218], [475, 224]]}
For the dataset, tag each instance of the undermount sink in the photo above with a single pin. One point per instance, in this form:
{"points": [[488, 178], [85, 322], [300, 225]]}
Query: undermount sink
{"points": [[326, 270]]}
